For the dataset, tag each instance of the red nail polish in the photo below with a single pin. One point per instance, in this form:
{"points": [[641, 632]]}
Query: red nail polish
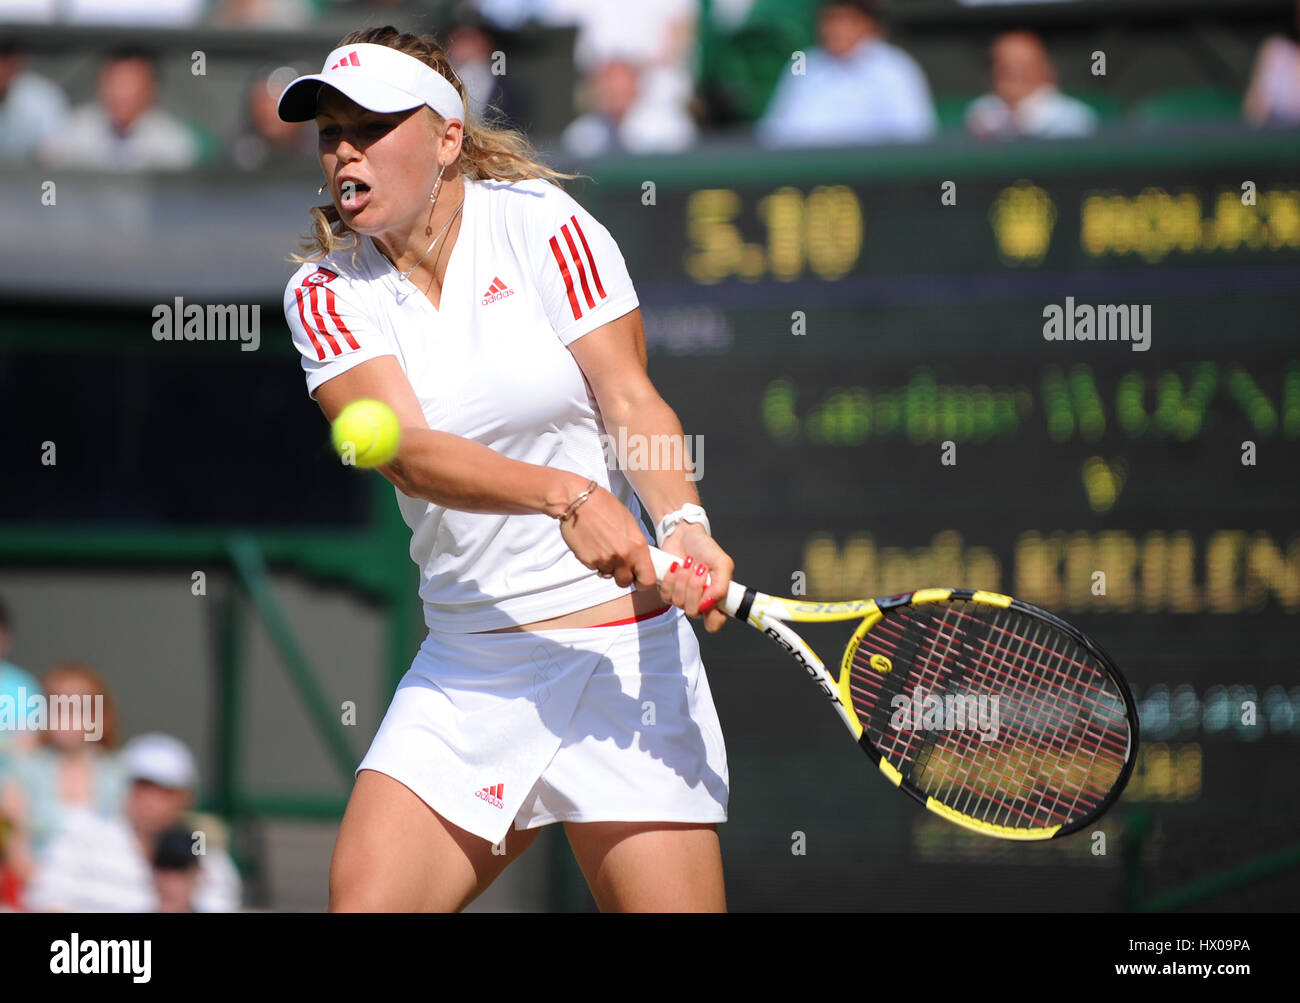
{"points": [[707, 604], [688, 562], [675, 566], [702, 569]]}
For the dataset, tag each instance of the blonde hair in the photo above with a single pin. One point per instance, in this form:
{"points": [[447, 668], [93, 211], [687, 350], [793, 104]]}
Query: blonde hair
{"points": [[489, 150]]}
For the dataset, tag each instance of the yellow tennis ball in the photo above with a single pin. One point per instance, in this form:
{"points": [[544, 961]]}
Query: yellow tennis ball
{"points": [[366, 433]]}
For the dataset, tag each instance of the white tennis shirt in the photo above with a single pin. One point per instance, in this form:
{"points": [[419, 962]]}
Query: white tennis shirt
{"points": [[530, 273]]}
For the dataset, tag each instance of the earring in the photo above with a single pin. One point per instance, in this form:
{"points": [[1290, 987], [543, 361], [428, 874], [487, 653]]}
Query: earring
{"points": [[437, 185], [320, 190]]}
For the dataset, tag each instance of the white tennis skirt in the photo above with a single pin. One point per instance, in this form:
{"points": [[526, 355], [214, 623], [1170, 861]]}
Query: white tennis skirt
{"points": [[581, 724]]}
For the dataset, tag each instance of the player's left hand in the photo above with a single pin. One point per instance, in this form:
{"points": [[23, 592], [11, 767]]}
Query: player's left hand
{"points": [[685, 586]]}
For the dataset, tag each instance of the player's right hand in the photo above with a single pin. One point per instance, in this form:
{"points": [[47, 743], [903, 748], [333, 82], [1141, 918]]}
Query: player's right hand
{"points": [[607, 538]]}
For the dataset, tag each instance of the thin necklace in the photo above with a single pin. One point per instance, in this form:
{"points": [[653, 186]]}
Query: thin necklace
{"points": [[450, 219]]}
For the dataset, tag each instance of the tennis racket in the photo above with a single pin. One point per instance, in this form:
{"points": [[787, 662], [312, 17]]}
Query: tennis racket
{"points": [[996, 715]]}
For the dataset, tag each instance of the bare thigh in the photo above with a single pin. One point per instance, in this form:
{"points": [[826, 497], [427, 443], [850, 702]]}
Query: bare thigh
{"points": [[396, 854], [650, 866]]}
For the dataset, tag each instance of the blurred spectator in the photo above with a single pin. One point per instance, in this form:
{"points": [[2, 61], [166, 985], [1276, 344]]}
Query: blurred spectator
{"points": [[622, 121], [471, 43], [31, 108], [1274, 94], [164, 777], [658, 35], [106, 864], [94, 864], [511, 13], [10, 887], [175, 870], [266, 140], [16, 687], [29, 11], [856, 88], [72, 766], [72, 769], [126, 130], [656, 43], [150, 13], [1025, 101], [279, 14]]}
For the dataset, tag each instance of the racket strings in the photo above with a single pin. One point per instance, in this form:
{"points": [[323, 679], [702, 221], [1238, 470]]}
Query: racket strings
{"points": [[1061, 732], [1006, 775], [1046, 720], [930, 672], [1000, 777], [1047, 716], [949, 774]]}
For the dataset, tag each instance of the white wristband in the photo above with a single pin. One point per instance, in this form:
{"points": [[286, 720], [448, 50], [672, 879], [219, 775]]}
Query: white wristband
{"points": [[687, 513]]}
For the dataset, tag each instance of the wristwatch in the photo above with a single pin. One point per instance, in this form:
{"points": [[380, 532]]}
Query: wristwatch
{"points": [[687, 513]]}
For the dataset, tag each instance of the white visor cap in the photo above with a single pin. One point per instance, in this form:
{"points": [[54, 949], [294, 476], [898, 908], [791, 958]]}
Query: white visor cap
{"points": [[376, 77]]}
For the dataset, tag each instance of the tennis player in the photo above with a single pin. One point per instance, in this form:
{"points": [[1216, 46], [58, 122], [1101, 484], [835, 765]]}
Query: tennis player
{"points": [[451, 278]]}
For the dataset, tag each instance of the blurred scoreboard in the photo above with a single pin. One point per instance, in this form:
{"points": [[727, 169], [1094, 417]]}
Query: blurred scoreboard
{"points": [[874, 362], [1001, 229], [786, 233], [858, 349]]}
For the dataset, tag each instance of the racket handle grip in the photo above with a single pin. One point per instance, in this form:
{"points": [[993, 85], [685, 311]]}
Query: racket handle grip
{"points": [[735, 591]]}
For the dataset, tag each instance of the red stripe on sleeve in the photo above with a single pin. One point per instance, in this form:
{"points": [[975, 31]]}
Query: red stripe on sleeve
{"points": [[338, 321], [320, 352], [577, 260], [594, 274], [568, 279], [320, 323]]}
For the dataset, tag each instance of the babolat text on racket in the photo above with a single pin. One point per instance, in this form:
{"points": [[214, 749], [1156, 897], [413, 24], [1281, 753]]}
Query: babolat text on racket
{"points": [[994, 714]]}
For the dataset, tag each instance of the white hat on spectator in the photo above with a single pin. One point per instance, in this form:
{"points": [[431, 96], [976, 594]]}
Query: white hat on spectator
{"points": [[161, 759]]}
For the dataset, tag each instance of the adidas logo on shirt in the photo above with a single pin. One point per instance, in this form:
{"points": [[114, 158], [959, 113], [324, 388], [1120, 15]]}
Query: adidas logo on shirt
{"points": [[498, 290], [492, 795]]}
